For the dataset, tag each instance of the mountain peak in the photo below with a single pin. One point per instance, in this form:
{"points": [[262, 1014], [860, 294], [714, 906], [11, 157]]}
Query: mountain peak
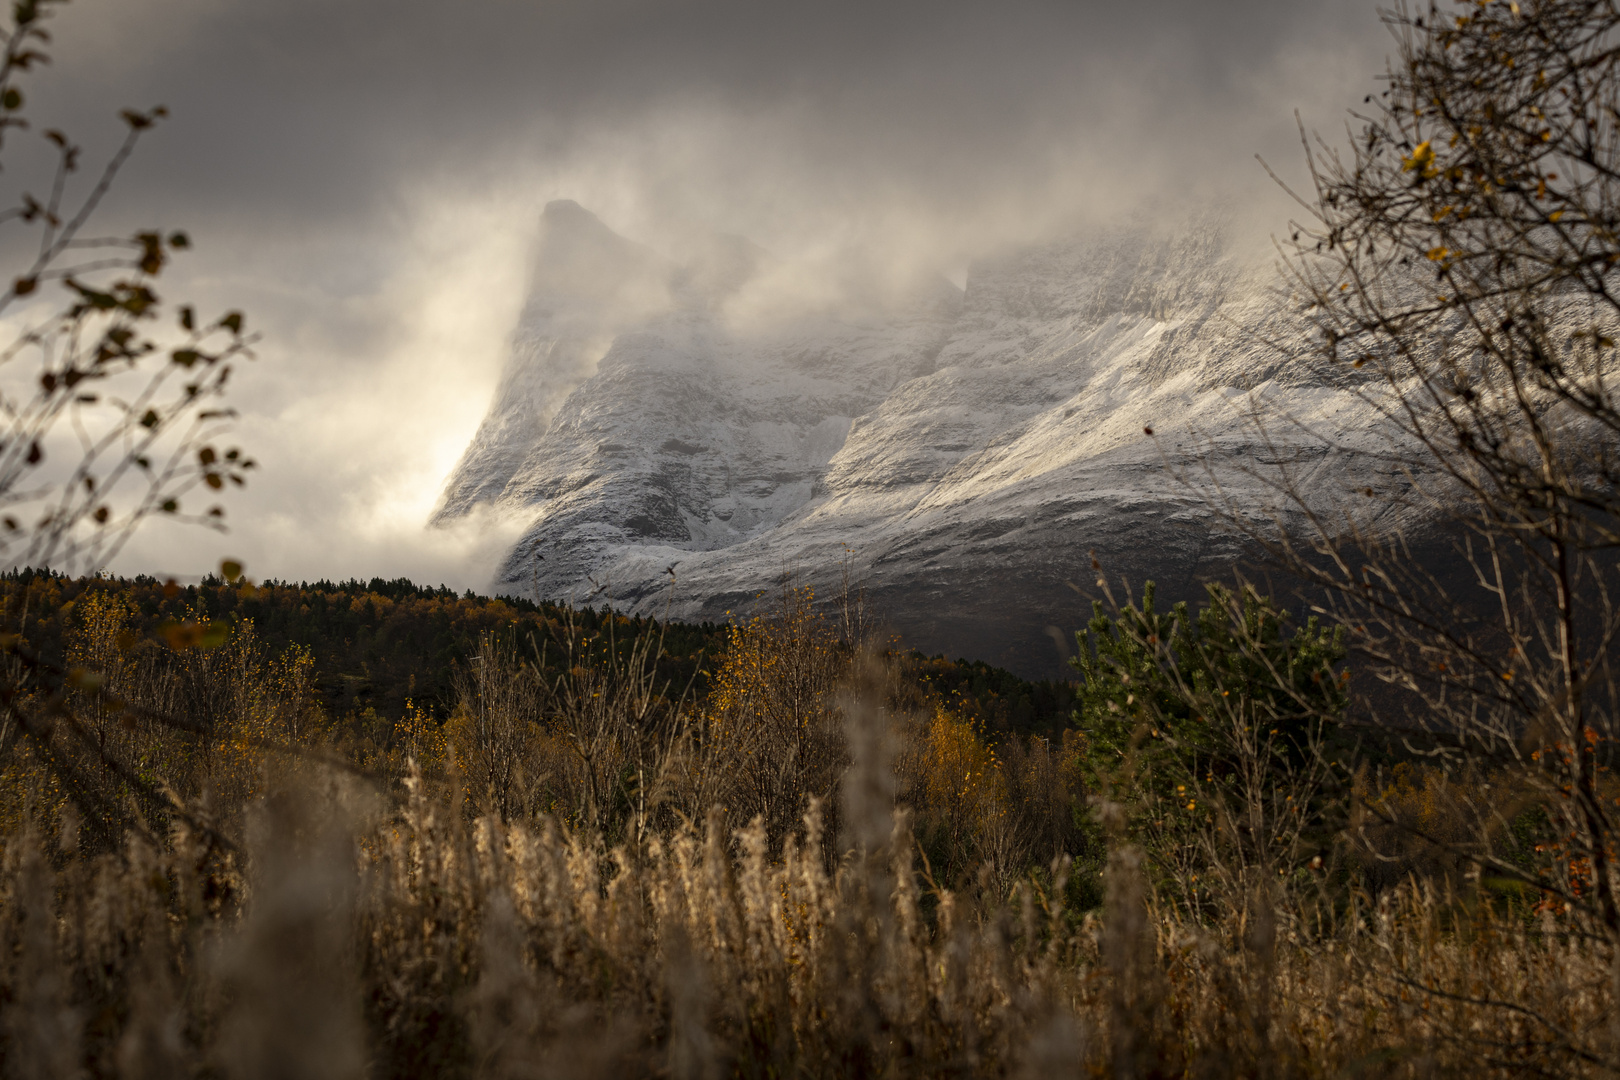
{"points": [[577, 255], [562, 209]]}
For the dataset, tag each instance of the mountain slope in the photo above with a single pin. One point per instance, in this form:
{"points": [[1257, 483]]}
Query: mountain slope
{"points": [[964, 452]]}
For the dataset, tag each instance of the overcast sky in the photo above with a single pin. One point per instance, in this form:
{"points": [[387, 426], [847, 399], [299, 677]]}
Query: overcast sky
{"points": [[362, 177]]}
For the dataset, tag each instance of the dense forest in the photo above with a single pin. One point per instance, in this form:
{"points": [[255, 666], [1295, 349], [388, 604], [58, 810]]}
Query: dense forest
{"points": [[379, 647]]}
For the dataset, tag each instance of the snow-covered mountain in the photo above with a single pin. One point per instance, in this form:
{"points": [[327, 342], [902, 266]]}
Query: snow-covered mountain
{"points": [[963, 450]]}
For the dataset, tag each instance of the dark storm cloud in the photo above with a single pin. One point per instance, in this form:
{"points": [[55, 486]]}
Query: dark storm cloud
{"points": [[298, 111], [361, 176]]}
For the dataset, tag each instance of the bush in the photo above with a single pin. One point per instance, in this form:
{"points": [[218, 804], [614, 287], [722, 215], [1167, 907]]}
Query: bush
{"points": [[1208, 736]]}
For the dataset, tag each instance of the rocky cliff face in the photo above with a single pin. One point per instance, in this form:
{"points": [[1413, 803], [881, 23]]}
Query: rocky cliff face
{"points": [[964, 451]]}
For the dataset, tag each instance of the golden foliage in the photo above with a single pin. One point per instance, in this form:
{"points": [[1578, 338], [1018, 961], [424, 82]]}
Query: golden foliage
{"points": [[771, 735]]}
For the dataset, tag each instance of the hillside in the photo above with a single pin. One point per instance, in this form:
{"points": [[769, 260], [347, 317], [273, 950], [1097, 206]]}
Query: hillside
{"points": [[963, 451]]}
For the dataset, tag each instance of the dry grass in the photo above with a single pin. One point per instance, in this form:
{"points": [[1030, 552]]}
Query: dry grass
{"points": [[597, 877], [349, 940]]}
